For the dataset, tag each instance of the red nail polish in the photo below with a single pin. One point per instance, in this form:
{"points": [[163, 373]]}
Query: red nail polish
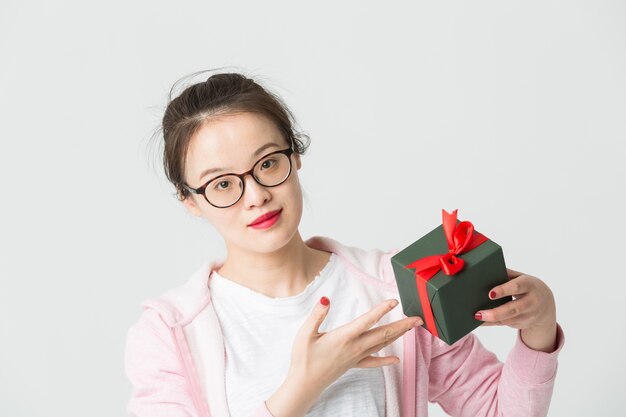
{"points": [[325, 301], [492, 295], [478, 316]]}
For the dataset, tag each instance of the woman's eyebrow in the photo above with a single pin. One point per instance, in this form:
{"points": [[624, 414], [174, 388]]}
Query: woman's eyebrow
{"points": [[256, 153]]}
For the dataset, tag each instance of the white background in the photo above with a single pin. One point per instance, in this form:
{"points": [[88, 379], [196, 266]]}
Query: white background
{"points": [[513, 112]]}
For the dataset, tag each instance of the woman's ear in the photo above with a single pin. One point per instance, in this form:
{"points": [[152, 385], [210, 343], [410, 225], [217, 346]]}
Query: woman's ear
{"points": [[191, 206], [298, 161]]}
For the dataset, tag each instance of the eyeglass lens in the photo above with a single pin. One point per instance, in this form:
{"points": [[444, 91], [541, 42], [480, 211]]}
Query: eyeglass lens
{"points": [[269, 171]]}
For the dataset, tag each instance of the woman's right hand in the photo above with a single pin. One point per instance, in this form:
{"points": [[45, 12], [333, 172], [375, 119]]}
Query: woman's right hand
{"points": [[318, 359], [321, 358]]}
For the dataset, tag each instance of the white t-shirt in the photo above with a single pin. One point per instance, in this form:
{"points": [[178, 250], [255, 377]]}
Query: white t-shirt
{"points": [[259, 332]]}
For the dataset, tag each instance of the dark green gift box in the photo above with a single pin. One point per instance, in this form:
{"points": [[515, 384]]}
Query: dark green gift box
{"points": [[454, 299]]}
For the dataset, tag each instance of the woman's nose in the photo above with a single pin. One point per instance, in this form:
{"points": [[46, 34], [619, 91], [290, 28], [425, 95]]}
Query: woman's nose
{"points": [[254, 193]]}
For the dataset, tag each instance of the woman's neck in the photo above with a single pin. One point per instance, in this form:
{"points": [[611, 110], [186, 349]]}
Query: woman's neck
{"points": [[283, 273]]}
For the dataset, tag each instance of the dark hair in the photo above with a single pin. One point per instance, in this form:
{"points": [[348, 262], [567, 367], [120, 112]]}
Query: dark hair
{"points": [[220, 94]]}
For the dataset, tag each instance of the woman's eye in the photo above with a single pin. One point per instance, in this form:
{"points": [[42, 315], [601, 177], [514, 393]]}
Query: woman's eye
{"points": [[222, 185], [267, 163]]}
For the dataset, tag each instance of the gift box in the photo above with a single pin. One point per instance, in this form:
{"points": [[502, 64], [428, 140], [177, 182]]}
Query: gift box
{"points": [[445, 277]]}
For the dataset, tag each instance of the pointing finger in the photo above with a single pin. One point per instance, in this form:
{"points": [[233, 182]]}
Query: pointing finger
{"points": [[364, 322]]}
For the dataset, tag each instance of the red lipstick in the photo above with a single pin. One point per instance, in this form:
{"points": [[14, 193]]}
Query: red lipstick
{"points": [[266, 220]]}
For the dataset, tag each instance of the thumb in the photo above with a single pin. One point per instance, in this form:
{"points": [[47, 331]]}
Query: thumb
{"points": [[320, 310]]}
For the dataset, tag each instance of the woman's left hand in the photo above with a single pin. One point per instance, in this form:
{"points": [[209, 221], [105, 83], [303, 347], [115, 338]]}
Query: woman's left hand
{"points": [[532, 310]]}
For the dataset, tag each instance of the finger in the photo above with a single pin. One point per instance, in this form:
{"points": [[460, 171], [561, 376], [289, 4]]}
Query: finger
{"points": [[367, 320], [376, 339], [504, 312], [375, 361], [516, 286], [317, 316], [516, 321], [513, 274]]}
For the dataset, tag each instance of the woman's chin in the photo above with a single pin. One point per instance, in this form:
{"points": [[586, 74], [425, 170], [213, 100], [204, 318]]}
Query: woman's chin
{"points": [[271, 241]]}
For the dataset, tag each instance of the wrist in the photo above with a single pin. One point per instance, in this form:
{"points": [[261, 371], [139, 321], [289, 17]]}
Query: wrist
{"points": [[541, 338], [293, 398]]}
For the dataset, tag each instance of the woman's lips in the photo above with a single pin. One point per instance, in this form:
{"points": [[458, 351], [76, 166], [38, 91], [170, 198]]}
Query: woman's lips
{"points": [[268, 221]]}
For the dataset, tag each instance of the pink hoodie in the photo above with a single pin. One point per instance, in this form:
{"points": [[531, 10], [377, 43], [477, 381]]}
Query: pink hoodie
{"points": [[175, 357]]}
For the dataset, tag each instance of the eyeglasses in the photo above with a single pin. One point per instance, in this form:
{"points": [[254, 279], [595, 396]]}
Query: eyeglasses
{"points": [[226, 190]]}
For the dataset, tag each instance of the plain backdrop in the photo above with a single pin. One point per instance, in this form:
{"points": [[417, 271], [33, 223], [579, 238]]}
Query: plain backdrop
{"points": [[513, 112]]}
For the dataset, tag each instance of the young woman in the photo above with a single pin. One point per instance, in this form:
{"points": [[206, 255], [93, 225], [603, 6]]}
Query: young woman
{"points": [[285, 327]]}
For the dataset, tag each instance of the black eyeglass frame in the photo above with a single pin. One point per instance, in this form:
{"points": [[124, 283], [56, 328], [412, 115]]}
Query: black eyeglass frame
{"points": [[242, 177]]}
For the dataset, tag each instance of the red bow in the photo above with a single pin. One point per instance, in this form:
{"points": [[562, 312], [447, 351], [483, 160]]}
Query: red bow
{"points": [[461, 238]]}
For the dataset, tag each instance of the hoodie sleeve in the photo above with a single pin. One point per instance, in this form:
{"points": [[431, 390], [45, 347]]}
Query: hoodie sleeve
{"points": [[466, 379], [160, 387]]}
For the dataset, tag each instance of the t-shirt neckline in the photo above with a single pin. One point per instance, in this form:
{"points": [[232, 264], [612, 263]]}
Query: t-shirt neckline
{"points": [[242, 293]]}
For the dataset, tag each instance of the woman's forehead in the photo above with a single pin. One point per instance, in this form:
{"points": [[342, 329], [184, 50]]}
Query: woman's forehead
{"points": [[231, 142]]}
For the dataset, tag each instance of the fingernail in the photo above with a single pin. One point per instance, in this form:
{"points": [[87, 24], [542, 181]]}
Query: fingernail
{"points": [[324, 301], [419, 322], [394, 303], [492, 294], [478, 316]]}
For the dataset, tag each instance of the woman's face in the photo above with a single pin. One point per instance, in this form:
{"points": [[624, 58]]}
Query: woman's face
{"points": [[232, 144]]}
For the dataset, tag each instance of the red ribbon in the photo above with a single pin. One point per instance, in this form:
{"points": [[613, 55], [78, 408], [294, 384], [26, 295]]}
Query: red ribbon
{"points": [[461, 238]]}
